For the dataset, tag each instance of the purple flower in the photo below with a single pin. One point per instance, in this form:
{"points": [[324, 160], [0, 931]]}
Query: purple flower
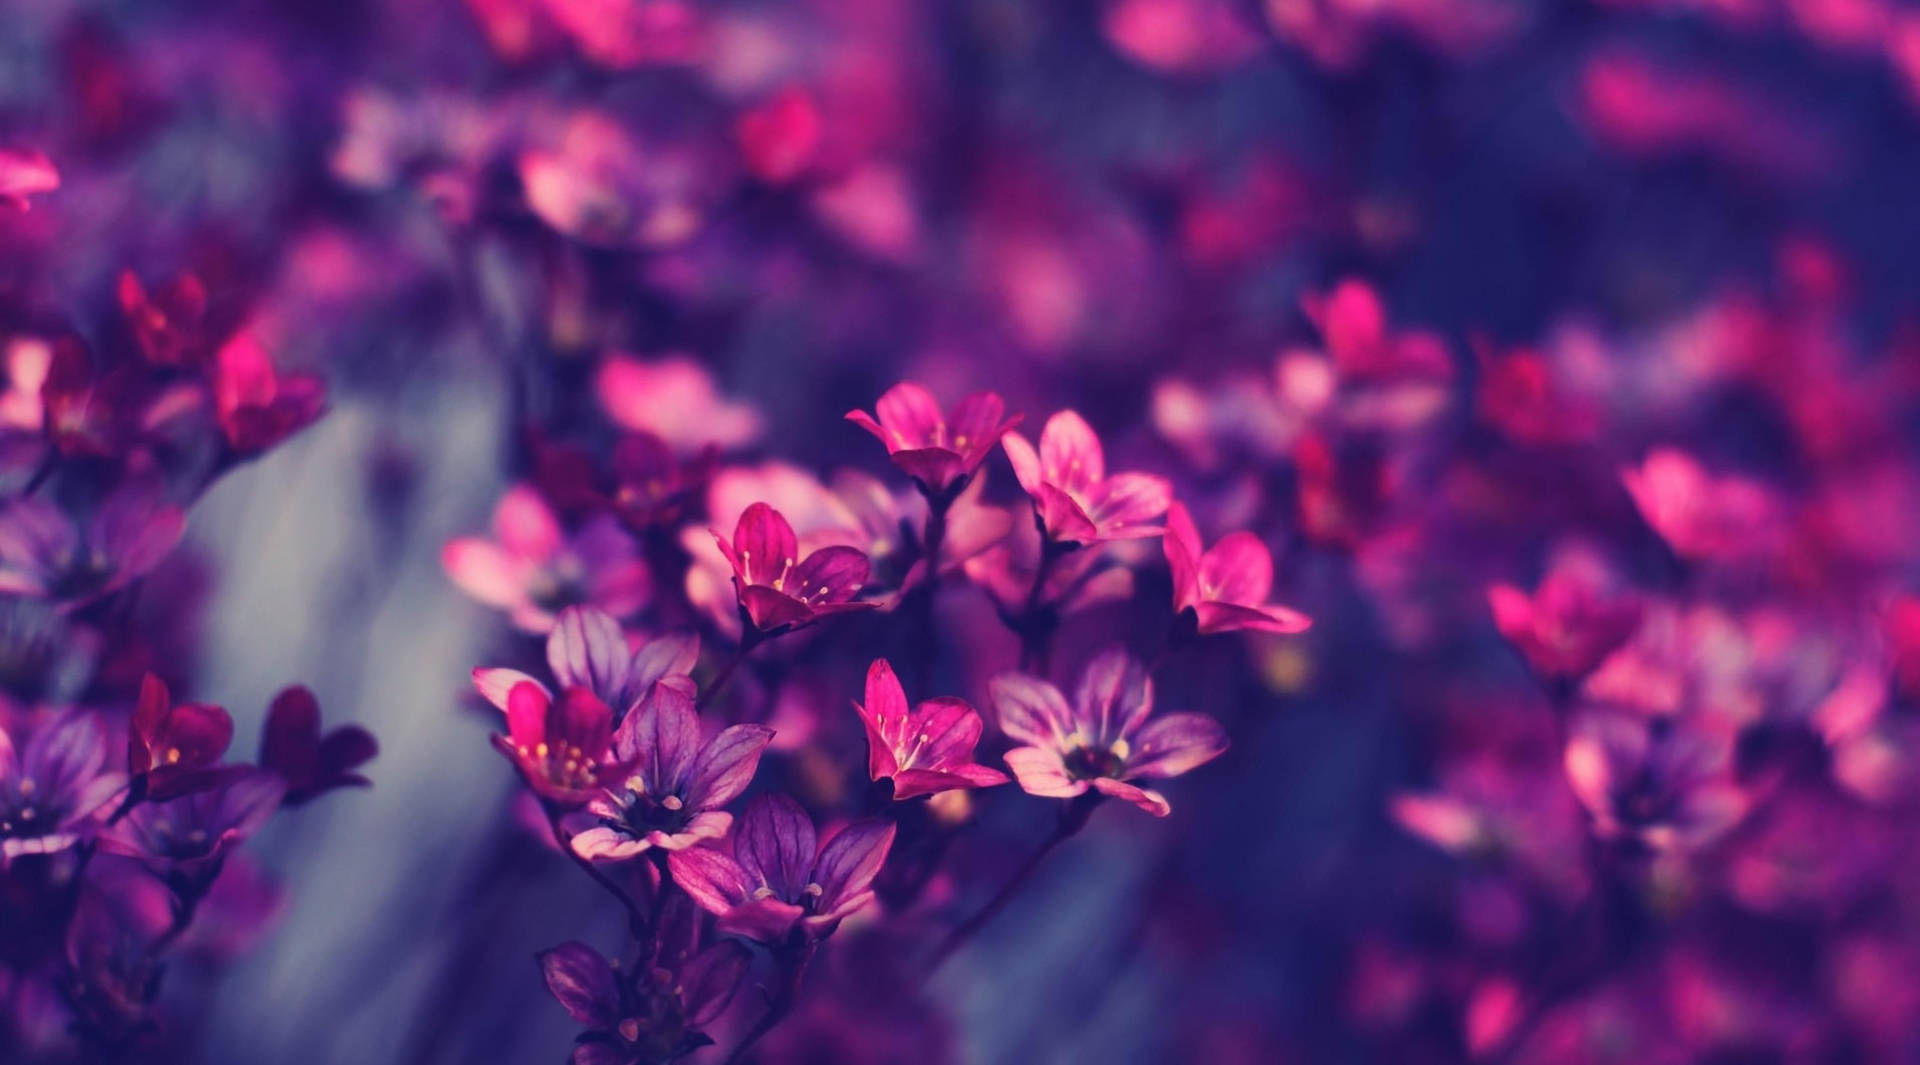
{"points": [[776, 883], [1226, 586], [532, 569], [193, 833], [588, 649], [933, 449], [1075, 499], [310, 763], [47, 555], [672, 798], [780, 591], [650, 1016], [1104, 739], [53, 785], [924, 750], [1664, 782]]}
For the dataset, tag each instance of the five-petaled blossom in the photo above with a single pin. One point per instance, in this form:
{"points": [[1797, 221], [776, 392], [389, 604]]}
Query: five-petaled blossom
{"points": [[51, 787], [559, 745], [312, 764], [1103, 740], [676, 786], [645, 1017], [777, 883], [938, 451], [924, 750], [174, 748], [1073, 496], [1227, 585], [780, 591], [588, 649], [533, 569]]}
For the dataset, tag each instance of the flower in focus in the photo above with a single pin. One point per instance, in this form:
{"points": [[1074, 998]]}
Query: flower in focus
{"points": [[1226, 586], [1663, 782], [935, 450], [24, 174], [51, 786], [776, 883], [1570, 623], [47, 555], [1073, 497], [926, 750], [192, 834], [259, 408], [175, 747], [780, 592], [1103, 740], [676, 786], [648, 1017], [310, 763], [532, 569], [588, 649], [559, 745]]}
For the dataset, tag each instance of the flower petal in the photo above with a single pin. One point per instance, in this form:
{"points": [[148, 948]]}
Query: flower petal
{"points": [[765, 544], [1070, 454], [1115, 696], [1030, 709], [850, 861], [583, 983], [1040, 771], [775, 845], [1174, 743], [726, 766], [588, 648], [1238, 570], [911, 417], [1151, 801], [710, 878]]}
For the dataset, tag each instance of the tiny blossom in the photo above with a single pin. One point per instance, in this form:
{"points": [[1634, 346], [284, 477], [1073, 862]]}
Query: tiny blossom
{"points": [[53, 785], [174, 747], [312, 764], [194, 833], [937, 450], [588, 649], [259, 407], [776, 589], [560, 746], [676, 786], [533, 569], [1227, 585], [778, 881], [925, 750], [1666, 783], [1104, 739], [1075, 500], [46, 554], [1570, 623]]}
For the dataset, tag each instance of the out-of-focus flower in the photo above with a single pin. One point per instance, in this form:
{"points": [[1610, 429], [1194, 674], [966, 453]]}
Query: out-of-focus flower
{"points": [[778, 590], [924, 750], [532, 569], [1663, 782], [1570, 623], [1227, 585], [25, 173], [587, 648], [45, 554], [258, 407], [599, 185], [1180, 36], [1104, 739], [930, 447], [169, 321], [675, 399], [676, 786], [778, 138], [776, 881], [192, 834], [560, 745], [1076, 501], [1700, 515], [310, 763], [53, 785], [174, 748], [648, 1017], [1076, 582], [653, 485]]}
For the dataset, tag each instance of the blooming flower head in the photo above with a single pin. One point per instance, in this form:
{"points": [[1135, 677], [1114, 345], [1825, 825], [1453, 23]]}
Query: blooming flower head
{"points": [[51, 786], [588, 649], [926, 749], [194, 833], [175, 747], [312, 764], [1664, 782], [649, 1016], [46, 554], [1074, 498], [561, 746], [935, 450], [257, 406], [1569, 624], [1226, 586], [1103, 740], [1701, 515], [532, 569], [675, 399], [780, 591], [778, 882], [676, 786]]}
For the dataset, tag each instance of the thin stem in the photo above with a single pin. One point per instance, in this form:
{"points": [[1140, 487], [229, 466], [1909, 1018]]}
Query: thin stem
{"points": [[1073, 818], [781, 1004], [927, 595], [750, 638], [1035, 623], [636, 921]]}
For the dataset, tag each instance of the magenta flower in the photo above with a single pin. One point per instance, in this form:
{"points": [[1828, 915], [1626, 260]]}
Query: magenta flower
{"points": [[310, 763], [51, 787], [194, 833], [676, 400], [1075, 499], [1570, 623], [647, 1017], [257, 406], [174, 748], [1104, 739], [937, 451], [673, 796], [560, 746], [1665, 783], [25, 173], [1226, 587], [46, 555], [588, 649], [779, 593], [926, 750], [776, 884], [1700, 514], [532, 569]]}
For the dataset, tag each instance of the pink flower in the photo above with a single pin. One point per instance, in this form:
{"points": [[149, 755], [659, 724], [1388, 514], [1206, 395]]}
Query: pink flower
{"points": [[1700, 515], [937, 451], [312, 764], [673, 796], [1225, 587], [23, 174], [926, 750], [778, 138], [1663, 782], [532, 569], [776, 883], [1103, 740], [175, 747], [588, 649], [560, 746], [673, 398], [1075, 499], [1569, 624], [779, 593], [257, 407]]}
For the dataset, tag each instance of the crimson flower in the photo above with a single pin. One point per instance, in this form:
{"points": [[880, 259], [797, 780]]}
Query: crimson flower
{"points": [[310, 763], [175, 747], [779, 593], [258, 407], [559, 745], [1226, 586], [1074, 498], [926, 750], [1103, 740], [935, 450], [53, 785], [587, 648], [777, 883], [673, 796]]}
